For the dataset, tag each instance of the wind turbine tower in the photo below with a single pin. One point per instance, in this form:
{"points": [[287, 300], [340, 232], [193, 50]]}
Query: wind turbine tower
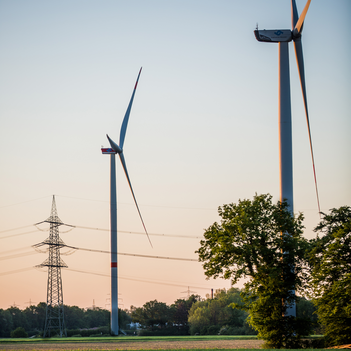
{"points": [[118, 149], [283, 37]]}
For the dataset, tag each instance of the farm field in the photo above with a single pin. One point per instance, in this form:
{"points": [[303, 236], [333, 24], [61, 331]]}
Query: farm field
{"points": [[183, 343], [133, 343]]}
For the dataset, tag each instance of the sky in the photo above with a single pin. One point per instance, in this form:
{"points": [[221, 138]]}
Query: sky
{"points": [[203, 132]]}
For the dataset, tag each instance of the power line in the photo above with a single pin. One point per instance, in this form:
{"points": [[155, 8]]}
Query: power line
{"points": [[108, 276], [136, 279], [88, 250], [18, 255], [105, 230], [91, 250], [24, 202], [129, 232], [10, 230], [17, 271], [98, 229], [12, 235], [18, 249], [129, 254]]}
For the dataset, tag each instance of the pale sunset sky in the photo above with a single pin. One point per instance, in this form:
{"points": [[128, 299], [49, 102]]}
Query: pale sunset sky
{"points": [[203, 132]]}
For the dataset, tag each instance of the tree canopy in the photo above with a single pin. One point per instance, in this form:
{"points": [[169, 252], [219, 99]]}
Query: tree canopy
{"points": [[32, 319], [153, 313], [217, 316], [262, 241], [330, 261]]}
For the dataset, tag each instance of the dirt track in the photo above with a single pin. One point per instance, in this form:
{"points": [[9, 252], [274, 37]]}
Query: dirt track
{"points": [[146, 345]]}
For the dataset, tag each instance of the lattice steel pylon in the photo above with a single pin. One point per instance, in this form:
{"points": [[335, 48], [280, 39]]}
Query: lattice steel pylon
{"points": [[55, 321]]}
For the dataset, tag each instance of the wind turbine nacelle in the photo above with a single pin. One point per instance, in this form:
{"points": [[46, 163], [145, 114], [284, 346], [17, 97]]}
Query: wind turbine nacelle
{"points": [[108, 151], [273, 36]]}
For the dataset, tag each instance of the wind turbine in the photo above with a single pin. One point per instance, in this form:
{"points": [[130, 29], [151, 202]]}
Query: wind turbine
{"points": [[283, 37], [118, 149]]}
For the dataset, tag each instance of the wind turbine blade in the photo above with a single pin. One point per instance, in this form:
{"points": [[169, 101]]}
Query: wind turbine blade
{"points": [[301, 69], [130, 186], [126, 116], [299, 23], [294, 14]]}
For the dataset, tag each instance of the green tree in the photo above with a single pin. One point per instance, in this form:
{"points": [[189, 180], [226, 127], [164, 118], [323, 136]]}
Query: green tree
{"points": [[98, 317], [74, 317], [35, 315], [180, 312], [6, 323], [307, 310], [330, 261], [19, 319], [209, 316], [263, 242], [124, 318], [152, 314], [199, 318], [19, 333]]}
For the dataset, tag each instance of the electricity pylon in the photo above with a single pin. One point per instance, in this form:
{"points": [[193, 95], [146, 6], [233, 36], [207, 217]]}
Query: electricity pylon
{"points": [[54, 321]]}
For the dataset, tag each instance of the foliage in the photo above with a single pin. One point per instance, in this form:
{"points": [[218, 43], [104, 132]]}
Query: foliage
{"points": [[217, 316], [6, 323], [152, 314], [157, 318], [32, 319], [180, 310], [102, 331], [18, 318], [261, 241], [307, 310], [76, 317], [330, 261], [35, 316], [19, 333], [124, 319]]}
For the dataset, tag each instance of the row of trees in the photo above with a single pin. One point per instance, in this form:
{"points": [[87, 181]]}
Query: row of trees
{"points": [[202, 316], [217, 316], [158, 318], [32, 319], [263, 242], [185, 316]]}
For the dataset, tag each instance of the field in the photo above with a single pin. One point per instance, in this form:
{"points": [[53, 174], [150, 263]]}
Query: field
{"points": [[133, 343], [184, 343]]}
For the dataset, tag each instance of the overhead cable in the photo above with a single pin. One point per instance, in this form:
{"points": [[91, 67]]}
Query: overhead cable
{"points": [[154, 234], [136, 279], [18, 255], [17, 271], [12, 235], [134, 255], [10, 230]]}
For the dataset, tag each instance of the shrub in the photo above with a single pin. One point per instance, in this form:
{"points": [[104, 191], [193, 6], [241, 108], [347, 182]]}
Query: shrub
{"points": [[213, 330], [19, 333], [169, 331]]}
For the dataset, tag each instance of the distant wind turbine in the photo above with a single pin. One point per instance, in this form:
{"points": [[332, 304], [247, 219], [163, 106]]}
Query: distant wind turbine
{"points": [[118, 149], [283, 37]]}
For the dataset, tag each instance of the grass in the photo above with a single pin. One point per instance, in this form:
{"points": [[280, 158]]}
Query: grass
{"points": [[127, 338]]}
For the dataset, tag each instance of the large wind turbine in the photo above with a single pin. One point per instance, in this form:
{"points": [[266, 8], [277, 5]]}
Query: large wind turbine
{"points": [[283, 37], [118, 149]]}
